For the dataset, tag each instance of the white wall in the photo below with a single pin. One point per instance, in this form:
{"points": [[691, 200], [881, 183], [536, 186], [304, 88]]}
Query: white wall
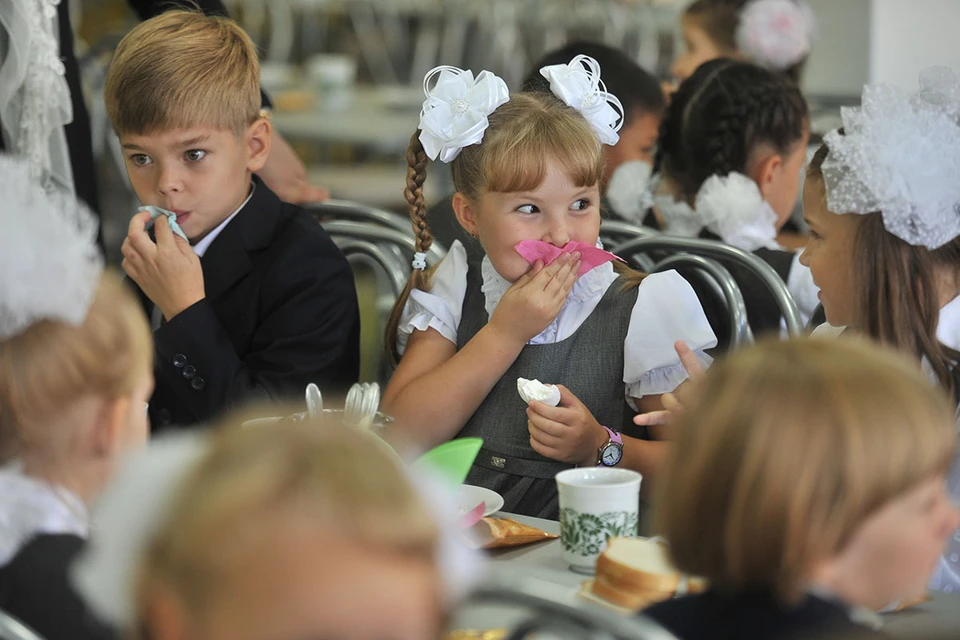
{"points": [[910, 35], [839, 64]]}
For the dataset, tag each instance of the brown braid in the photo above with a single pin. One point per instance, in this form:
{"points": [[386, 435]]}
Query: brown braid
{"points": [[419, 279]]}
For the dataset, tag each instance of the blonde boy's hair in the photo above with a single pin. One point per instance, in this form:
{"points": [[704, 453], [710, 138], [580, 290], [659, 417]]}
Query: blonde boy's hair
{"points": [[183, 69], [254, 478], [52, 364], [787, 448]]}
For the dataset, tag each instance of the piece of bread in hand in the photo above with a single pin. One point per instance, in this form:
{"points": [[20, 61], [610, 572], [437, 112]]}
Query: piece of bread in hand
{"points": [[635, 572]]}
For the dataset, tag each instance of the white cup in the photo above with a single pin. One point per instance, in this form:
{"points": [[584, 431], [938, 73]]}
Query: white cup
{"points": [[596, 504], [332, 75]]}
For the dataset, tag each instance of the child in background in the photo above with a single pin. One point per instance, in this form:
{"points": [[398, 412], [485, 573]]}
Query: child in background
{"points": [[527, 167], [75, 375], [773, 34], [291, 530], [732, 148], [642, 100], [821, 495], [882, 196], [258, 301]]}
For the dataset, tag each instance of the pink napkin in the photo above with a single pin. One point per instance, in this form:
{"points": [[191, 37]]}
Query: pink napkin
{"points": [[473, 516], [590, 256]]}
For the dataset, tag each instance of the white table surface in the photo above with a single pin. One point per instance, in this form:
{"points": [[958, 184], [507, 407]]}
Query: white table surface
{"points": [[369, 121], [938, 617]]}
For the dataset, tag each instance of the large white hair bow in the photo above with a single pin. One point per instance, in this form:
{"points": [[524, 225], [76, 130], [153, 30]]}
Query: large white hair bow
{"points": [[776, 34], [578, 84], [454, 115], [900, 155], [729, 206], [50, 265]]}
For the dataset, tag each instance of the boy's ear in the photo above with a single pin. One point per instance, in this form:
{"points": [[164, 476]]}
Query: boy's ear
{"points": [[111, 420], [765, 171], [465, 210], [258, 138]]}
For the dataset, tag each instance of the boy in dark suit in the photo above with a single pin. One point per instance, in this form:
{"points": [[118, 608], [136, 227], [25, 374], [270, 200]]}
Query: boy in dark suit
{"points": [[260, 301]]}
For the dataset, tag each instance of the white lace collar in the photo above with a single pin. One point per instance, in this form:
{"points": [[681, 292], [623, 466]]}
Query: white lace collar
{"points": [[589, 287], [948, 324], [29, 507]]}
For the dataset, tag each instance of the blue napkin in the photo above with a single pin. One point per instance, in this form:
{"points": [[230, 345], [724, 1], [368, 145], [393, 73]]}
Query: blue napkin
{"points": [[156, 212]]}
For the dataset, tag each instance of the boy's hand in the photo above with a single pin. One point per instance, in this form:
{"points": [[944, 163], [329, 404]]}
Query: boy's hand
{"points": [[568, 432], [168, 272], [534, 300], [285, 174]]}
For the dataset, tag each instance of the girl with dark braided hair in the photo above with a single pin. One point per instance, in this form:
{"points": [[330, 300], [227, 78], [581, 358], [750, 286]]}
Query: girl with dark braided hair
{"points": [[527, 169], [732, 149]]}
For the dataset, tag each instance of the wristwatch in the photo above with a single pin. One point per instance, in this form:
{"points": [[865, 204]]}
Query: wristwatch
{"points": [[611, 453]]}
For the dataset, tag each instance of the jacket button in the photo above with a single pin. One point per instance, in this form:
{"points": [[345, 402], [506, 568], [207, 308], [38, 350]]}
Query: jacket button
{"points": [[179, 360], [197, 383], [189, 371], [164, 418]]}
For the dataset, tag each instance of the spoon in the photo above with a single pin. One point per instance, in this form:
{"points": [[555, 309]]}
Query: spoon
{"points": [[314, 401]]}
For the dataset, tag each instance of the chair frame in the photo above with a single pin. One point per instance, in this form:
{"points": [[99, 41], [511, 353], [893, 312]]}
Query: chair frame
{"points": [[722, 253], [724, 285], [12, 629]]}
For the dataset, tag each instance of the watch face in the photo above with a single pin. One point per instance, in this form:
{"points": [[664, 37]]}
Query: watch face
{"points": [[611, 455]]}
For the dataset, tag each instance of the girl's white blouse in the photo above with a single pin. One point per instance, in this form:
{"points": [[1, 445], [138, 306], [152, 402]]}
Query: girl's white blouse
{"points": [[666, 310]]}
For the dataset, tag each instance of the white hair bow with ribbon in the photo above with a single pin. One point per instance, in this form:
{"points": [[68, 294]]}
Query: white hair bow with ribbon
{"points": [[578, 84], [454, 115]]}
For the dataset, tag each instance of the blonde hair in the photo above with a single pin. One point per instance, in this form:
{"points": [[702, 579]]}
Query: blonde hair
{"points": [[252, 477], [525, 134], [52, 364], [183, 69], [786, 449]]}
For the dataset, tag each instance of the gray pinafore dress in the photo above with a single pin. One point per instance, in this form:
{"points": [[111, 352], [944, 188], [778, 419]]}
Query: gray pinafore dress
{"points": [[589, 363]]}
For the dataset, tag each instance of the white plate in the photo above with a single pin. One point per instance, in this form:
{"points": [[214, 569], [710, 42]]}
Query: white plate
{"points": [[470, 496]]}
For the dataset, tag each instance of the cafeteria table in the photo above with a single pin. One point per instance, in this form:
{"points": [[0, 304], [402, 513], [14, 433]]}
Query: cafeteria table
{"points": [[543, 563]]}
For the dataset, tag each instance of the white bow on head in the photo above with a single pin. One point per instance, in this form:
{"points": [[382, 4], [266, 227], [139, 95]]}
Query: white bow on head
{"points": [[454, 115], [776, 34], [578, 84], [900, 155]]}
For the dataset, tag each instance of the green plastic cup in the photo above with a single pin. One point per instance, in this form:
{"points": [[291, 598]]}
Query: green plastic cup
{"points": [[451, 460]]}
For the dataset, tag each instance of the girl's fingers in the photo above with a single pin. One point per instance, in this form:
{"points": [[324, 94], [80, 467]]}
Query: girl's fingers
{"points": [[652, 418]]}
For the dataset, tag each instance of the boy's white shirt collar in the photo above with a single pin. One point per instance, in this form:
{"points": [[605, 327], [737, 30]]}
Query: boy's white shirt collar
{"points": [[201, 247]]}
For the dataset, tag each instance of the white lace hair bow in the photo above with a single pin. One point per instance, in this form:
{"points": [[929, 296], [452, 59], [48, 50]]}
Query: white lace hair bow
{"points": [[776, 34], [900, 155], [454, 115], [579, 85], [50, 265], [730, 206]]}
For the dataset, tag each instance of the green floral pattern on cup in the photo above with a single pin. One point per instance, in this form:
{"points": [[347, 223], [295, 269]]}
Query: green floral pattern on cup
{"points": [[585, 534]]}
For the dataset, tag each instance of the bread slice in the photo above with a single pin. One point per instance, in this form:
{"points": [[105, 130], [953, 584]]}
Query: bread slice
{"points": [[635, 572]]}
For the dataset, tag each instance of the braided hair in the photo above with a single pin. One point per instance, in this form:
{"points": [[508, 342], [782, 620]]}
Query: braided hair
{"points": [[720, 115]]}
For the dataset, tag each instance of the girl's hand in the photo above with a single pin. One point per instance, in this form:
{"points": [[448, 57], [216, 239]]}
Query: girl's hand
{"points": [[568, 432], [534, 300], [673, 402]]}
